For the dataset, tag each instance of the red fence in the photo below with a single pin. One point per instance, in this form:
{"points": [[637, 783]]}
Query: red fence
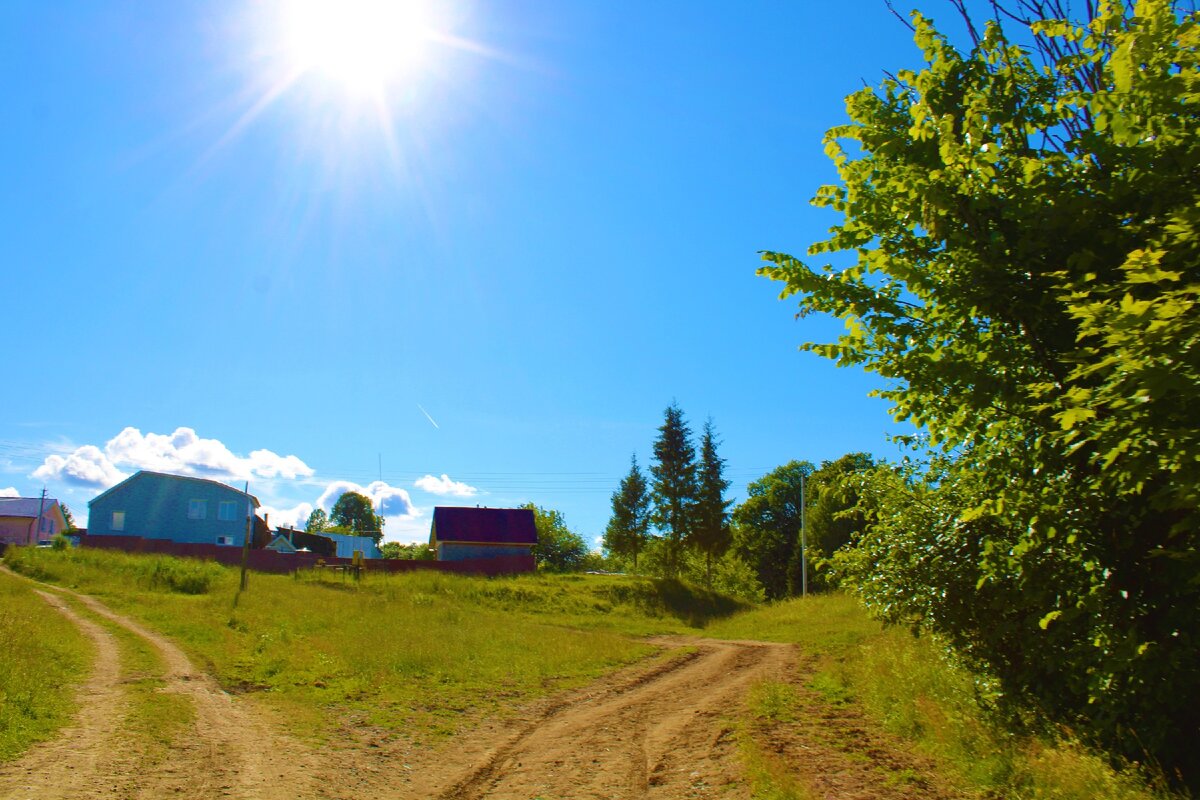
{"points": [[270, 561]]}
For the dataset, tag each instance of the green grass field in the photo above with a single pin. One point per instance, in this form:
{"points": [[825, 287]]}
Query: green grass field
{"points": [[422, 654], [42, 657], [409, 652]]}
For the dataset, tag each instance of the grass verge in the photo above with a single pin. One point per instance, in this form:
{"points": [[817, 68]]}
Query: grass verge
{"points": [[416, 653], [912, 689], [42, 661]]}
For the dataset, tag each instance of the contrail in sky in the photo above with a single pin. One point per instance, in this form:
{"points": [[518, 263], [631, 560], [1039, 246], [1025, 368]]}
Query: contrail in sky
{"points": [[426, 413]]}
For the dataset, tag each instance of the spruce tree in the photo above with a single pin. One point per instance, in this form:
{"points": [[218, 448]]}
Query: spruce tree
{"points": [[711, 534], [629, 528], [674, 485]]}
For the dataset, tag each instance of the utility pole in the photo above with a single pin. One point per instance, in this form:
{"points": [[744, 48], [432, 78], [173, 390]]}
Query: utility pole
{"points": [[803, 543], [38, 522]]}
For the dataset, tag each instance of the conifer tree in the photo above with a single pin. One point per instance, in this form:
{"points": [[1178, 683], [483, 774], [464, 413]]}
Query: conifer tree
{"points": [[629, 528], [674, 485], [711, 534]]}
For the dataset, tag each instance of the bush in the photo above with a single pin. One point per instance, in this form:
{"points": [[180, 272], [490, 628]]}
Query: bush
{"points": [[186, 576]]}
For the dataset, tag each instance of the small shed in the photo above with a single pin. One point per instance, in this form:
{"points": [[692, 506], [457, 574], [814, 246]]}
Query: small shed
{"points": [[460, 533], [290, 540]]}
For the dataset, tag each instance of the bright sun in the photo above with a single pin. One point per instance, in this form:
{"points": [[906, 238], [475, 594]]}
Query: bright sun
{"points": [[365, 45]]}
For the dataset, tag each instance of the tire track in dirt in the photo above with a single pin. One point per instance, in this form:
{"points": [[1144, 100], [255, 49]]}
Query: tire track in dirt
{"points": [[666, 733], [227, 752], [230, 752], [68, 766]]}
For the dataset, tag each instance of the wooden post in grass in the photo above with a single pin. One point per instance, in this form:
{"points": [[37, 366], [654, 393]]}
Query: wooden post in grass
{"points": [[246, 544]]}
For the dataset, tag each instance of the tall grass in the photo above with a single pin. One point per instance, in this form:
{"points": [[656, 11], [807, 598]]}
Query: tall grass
{"points": [[100, 567], [42, 659], [913, 688]]}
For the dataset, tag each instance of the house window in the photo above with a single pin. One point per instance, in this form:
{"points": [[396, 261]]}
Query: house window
{"points": [[224, 540], [118, 520], [227, 510], [197, 509]]}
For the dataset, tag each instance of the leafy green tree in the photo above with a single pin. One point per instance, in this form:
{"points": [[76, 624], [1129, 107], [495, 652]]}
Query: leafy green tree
{"points": [[710, 535], [673, 488], [1025, 228], [767, 525], [629, 527], [408, 552], [832, 517], [559, 549], [354, 512], [318, 521]]}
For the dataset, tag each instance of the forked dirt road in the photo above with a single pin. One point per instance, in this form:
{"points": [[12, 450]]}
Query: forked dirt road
{"points": [[662, 729]]}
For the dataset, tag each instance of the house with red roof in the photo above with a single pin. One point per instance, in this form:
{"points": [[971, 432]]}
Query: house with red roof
{"points": [[461, 533]]}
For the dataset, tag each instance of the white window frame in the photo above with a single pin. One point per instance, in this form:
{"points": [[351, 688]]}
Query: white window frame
{"points": [[227, 510], [225, 540], [197, 509], [118, 521]]}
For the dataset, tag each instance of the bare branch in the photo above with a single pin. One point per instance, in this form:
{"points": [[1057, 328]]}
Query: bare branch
{"points": [[898, 16]]}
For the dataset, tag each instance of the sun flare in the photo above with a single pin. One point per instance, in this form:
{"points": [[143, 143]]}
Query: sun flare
{"points": [[365, 45]]}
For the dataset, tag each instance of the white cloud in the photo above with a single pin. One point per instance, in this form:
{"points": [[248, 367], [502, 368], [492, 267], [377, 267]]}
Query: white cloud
{"points": [[444, 486], [87, 466], [181, 453], [389, 501], [407, 529], [294, 517], [185, 453], [11, 491]]}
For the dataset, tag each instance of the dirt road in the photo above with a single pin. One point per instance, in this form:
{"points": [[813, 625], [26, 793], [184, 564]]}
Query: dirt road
{"points": [[664, 732], [228, 753], [660, 729]]}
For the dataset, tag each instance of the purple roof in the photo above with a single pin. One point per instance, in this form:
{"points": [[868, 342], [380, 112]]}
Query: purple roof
{"points": [[485, 525], [24, 506]]}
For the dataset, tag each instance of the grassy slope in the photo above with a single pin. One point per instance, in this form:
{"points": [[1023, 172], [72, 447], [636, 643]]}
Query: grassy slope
{"points": [[42, 659], [413, 652], [409, 652], [911, 688]]}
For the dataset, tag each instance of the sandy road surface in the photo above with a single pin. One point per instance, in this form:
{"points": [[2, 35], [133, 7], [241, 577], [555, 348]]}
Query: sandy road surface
{"points": [[658, 733], [228, 753], [68, 766]]}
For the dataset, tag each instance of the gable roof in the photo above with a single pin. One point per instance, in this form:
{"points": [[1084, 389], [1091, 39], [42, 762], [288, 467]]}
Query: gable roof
{"points": [[281, 544], [149, 473], [483, 525], [24, 506]]}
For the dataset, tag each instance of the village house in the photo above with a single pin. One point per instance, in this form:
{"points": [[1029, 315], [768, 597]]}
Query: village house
{"points": [[459, 533], [179, 508], [28, 520]]}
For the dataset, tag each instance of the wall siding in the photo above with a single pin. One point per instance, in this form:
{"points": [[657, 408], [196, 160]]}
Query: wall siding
{"points": [[156, 507], [454, 551]]}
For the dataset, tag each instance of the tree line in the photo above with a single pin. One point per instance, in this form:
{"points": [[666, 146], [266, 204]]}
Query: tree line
{"points": [[682, 508], [679, 523]]}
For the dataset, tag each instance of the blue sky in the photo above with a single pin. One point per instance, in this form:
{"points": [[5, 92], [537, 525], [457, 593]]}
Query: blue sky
{"points": [[482, 286]]}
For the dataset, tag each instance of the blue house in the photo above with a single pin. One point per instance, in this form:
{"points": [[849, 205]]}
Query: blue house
{"points": [[155, 505]]}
